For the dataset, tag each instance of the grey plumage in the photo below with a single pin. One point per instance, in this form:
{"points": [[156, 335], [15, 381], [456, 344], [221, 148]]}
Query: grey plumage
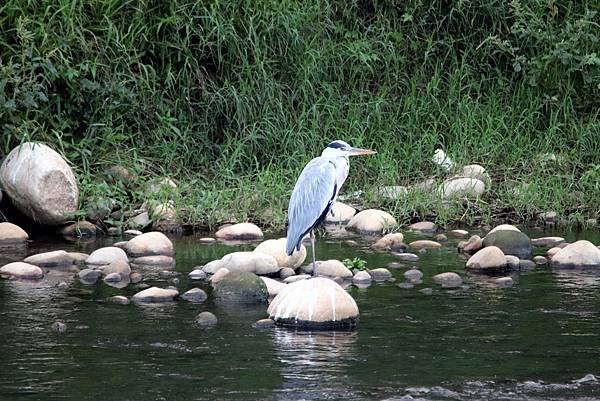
{"points": [[315, 192]]}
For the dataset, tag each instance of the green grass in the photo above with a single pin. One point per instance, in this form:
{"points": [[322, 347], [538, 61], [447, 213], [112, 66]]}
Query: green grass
{"points": [[232, 98]]}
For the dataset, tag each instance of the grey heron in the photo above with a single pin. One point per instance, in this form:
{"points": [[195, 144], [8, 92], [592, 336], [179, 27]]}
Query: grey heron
{"points": [[315, 192]]}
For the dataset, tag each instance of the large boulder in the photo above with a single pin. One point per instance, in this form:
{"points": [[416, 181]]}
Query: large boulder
{"points": [[253, 262], [241, 287], [317, 303], [40, 183], [276, 248], [21, 270], [12, 234], [371, 221], [488, 259], [106, 255], [340, 213], [511, 242], [148, 244], [462, 187], [578, 254], [240, 231]]}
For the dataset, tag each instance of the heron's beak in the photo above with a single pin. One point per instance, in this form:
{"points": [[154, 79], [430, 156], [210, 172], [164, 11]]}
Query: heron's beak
{"points": [[359, 151]]}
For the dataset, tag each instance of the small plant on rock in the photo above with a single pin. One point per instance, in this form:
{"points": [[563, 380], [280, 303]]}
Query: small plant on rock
{"points": [[356, 263]]}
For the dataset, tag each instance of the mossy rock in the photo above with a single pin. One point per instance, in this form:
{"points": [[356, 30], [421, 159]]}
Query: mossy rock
{"points": [[241, 287], [511, 242]]}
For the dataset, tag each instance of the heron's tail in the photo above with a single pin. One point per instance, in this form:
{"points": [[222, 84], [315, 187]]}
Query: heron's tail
{"points": [[290, 245]]}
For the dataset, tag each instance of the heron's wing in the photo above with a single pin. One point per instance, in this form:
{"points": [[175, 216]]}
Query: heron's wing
{"points": [[311, 199]]}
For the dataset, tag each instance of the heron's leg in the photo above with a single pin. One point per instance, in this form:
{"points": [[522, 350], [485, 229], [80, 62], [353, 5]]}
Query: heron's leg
{"points": [[312, 243]]}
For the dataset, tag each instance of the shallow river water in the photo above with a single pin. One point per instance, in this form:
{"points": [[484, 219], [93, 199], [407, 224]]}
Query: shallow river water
{"points": [[529, 342]]}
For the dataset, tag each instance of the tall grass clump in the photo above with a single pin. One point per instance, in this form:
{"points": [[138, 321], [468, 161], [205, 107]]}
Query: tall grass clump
{"points": [[234, 97]]}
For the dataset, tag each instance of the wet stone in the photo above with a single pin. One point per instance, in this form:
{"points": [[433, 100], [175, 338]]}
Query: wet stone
{"points": [[89, 276], [119, 299], [59, 326], [441, 238], [525, 264], [62, 285], [206, 319], [413, 275], [504, 282], [459, 233], [512, 262], [380, 274], [406, 286], [135, 277], [197, 274], [448, 280], [298, 277], [424, 226], [194, 295], [547, 241], [362, 277], [407, 257], [394, 265], [426, 291], [540, 260], [286, 272], [264, 324]]}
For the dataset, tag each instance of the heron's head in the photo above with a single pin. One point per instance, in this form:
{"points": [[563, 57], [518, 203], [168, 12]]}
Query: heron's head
{"points": [[339, 148]]}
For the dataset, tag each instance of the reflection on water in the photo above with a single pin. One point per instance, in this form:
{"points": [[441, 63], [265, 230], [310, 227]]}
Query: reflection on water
{"points": [[314, 363], [577, 278]]}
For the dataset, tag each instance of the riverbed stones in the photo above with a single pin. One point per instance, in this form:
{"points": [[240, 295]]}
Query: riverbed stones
{"points": [[405, 286], [106, 255], [371, 221], [264, 324], [79, 229], [154, 260], [286, 272], [547, 241], [21, 270], [392, 242], [89, 276], [112, 278], [340, 213], [40, 183], [448, 280], [504, 282], [380, 274], [540, 260], [240, 231], [12, 234], [119, 267], [197, 274], [362, 277], [425, 244], [132, 233], [526, 264], [218, 276], [459, 233], [155, 295], [316, 303], [579, 254], [273, 286], [488, 259], [407, 257], [195, 295], [206, 319], [119, 300], [254, 262], [276, 248], [150, 244], [297, 277], [241, 287], [512, 262], [511, 242], [50, 259], [333, 268], [424, 227], [413, 275], [462, 187], [472, 245]]}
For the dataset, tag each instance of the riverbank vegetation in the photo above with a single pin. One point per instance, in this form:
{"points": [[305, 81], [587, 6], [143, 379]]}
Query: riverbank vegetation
{"points": [[232, 98]]}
